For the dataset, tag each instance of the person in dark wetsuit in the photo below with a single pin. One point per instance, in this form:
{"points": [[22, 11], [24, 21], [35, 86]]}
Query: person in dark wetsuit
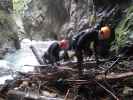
{"points": [[51, 56], [81, 42]]}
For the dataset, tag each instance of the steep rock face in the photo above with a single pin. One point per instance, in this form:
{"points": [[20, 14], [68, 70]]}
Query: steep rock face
{"points": [[80, 12], [45, 16], [60, 16], [8, 28], [48, 17], [6, 5]]}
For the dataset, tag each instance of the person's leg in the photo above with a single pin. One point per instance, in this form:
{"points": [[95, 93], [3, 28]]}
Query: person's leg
{"points": [[80, 61], [56, 57], [46, 58], [87, 52], [52, 59], [104, 49], [96, 54], [65, 55]]}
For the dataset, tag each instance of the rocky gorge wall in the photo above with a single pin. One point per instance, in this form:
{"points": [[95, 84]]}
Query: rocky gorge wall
{"points": [[49, 18], [8, 27]]}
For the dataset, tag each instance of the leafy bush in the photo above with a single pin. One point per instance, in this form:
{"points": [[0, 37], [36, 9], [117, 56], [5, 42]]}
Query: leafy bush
{"points": [[19, 6], [124, 31]]}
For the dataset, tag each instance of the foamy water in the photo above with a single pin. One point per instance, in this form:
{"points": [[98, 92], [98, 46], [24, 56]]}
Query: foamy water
{"points": [[17, 60]]}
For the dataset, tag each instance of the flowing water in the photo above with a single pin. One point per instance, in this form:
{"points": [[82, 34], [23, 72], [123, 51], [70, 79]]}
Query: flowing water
{"points": [[18, 60]]}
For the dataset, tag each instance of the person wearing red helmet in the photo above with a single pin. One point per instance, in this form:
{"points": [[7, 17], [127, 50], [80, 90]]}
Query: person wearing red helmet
{"points": [[51, 56], [64, 44]]}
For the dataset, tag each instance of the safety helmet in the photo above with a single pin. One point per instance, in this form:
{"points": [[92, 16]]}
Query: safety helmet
{"points": [[105, 32], [63, 44]]}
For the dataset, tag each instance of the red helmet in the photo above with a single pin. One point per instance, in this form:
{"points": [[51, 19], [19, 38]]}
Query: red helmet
{"points": [[63, 44]]}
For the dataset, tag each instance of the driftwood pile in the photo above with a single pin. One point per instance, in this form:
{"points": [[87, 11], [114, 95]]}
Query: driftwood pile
{"points": [[64, 83]]}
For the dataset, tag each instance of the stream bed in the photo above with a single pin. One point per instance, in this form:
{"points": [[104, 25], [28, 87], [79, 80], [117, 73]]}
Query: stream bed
{"points": [[18, 60]]}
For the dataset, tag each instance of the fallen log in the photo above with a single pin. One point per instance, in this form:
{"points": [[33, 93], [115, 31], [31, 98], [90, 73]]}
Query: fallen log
{"points": [[53, 77], [36, 55], [115, 76], [57, 75], [18, 95], [67, 65], [110, 77], [47, 76]]}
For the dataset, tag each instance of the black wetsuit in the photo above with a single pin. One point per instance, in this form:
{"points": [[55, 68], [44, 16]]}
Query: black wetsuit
{"points": [[52, 54], [81, 44]]}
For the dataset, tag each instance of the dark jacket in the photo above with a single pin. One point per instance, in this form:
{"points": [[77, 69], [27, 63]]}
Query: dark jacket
{"points": [[52, 54], [82, 40], [81, 43]]}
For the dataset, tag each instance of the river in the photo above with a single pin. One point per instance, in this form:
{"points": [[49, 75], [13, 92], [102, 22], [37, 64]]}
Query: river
{"points": [[18, 60]]}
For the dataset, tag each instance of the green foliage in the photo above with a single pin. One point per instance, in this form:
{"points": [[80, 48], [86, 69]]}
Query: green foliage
{"points": [[124, 30], [19, 5]]}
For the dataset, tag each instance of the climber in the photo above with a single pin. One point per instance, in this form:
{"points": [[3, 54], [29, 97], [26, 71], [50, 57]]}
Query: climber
{"points": [[51, 56], [81, 42]]}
